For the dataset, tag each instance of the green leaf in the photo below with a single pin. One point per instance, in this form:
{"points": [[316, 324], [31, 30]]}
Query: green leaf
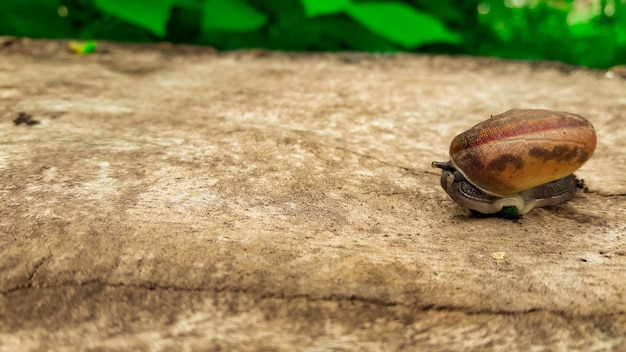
{"points": [[152, 16], [401, 24], [231, 16], [314, 8]]}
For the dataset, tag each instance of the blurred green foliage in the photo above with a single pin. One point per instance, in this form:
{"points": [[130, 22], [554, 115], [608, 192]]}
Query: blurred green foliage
{"points": [[582, 32]]}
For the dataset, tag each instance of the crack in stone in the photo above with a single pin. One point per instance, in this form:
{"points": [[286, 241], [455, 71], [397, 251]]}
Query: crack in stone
{"points": [[36, 267], [31, 276], [348, 151], [597, 192], [151, 286], [376, 159]]}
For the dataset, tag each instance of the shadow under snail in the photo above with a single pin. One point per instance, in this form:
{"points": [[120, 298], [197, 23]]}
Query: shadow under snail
{"points": [[517, 161]]}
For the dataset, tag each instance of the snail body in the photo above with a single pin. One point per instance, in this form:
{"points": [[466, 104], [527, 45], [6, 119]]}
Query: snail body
{"points": [[521, 158]]}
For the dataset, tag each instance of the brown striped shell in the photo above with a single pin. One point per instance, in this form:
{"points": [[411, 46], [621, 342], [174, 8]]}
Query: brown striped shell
{"points": [[521, 149]]}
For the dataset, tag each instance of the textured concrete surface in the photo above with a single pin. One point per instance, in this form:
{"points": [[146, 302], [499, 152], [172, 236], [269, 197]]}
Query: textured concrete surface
{"points": [[172, 198]]}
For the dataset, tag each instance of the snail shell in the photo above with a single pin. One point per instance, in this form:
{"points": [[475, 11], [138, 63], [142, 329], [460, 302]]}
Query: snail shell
{"points": [[520, 158]]}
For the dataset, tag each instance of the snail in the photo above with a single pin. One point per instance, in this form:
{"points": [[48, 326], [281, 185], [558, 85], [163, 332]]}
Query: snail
{"points": [[517, 161]]}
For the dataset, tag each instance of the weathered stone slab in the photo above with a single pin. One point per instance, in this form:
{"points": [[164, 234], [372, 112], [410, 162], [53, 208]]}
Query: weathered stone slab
{"points": [[176, 198]]}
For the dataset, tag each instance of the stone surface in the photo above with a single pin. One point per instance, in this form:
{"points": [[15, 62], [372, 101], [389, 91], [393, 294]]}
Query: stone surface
{"points": [[174, 198]]}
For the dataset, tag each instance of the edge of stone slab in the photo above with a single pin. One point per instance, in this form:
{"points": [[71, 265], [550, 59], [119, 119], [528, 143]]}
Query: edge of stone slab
{"points": [[35, 46]]}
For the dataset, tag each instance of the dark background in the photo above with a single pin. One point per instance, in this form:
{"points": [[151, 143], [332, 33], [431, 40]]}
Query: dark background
{"points": [[590, 33]]}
